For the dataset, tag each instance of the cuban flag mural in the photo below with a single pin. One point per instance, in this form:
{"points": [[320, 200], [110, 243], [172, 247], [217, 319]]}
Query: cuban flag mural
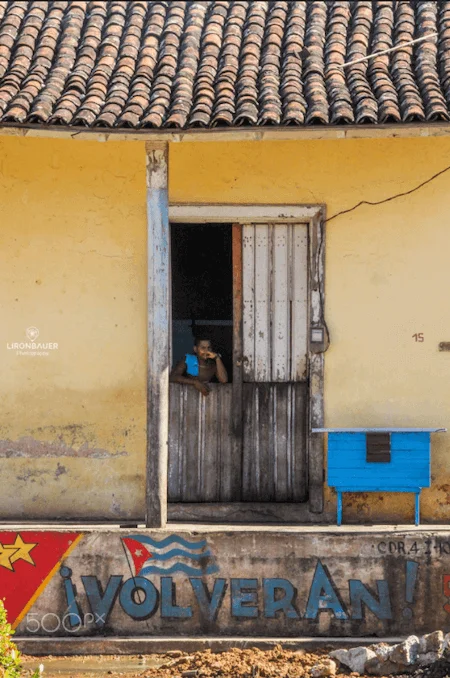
{"points": [[170, 555]]}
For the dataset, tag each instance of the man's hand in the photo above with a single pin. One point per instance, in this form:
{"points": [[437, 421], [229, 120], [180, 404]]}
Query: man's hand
{"points": [[202, 387], [211, 355]]}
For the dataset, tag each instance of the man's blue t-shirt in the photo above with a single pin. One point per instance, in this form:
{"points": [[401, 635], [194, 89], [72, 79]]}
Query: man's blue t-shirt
{"points": [[191, 365]]}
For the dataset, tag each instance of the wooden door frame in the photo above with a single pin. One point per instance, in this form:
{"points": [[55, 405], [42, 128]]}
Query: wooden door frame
{"points": [[314, 217]]}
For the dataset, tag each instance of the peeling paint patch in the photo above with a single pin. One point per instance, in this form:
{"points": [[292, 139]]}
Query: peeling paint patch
{"points": [[28, 447], [60, 470], [445, 488], [30, 475]]}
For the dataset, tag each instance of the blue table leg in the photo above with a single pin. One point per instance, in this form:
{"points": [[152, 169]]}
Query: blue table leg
{"points": [[339, 508], [417, 508]]}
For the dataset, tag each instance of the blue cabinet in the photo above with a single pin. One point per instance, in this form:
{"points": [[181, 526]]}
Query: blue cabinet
{"points": [[378, 460]]}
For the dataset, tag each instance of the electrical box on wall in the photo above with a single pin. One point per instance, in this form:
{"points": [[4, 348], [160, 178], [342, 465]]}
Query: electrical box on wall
{"points": [[318, 339]]}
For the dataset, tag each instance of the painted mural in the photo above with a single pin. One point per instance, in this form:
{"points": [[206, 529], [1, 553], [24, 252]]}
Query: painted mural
{"points": [[288, 584], [28, 561]]}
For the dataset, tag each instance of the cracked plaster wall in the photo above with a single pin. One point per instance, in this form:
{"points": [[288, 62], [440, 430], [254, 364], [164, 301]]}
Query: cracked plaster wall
{"points": [[73, 265]]}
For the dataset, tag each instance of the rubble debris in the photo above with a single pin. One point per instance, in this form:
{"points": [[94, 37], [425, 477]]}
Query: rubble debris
{"points": [[406, 653], [427, 656], [354, 659], [417, 656], [248, 663], [326, 667], [432, 642]]}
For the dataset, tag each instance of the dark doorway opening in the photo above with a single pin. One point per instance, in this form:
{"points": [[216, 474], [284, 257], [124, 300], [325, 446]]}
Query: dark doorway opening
{"points": [[202, 289]]}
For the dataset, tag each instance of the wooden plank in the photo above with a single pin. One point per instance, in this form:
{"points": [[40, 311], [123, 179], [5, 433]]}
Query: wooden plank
{"points": [[280, 303], [299, 306], [248, 302], [243, 214], [229, 447], [251, 133], [248, 512], [379, 430], [262, 317], [266, 445], [176, 446], [299, 462], [210, 445], [192, 452], [357, 480], [410, 441], [316, 280], [316, 471], [158, 290], [231, 455], [250, 452], [282, 440]]}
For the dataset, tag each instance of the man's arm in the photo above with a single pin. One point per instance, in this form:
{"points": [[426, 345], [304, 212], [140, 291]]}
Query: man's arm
{"points": [[221, 372], [177, 376]]}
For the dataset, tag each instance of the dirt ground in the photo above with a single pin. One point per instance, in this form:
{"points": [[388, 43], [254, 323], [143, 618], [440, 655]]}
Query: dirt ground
{"points": [[252, 663], [236, 663]]}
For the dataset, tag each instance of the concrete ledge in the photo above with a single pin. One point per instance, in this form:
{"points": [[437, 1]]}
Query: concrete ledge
{"points": [[230, 585], [212, 528], [132, 646]]}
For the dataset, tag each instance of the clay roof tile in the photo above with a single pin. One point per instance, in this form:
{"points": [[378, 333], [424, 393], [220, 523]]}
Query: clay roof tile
{"points": [[227, 62]]}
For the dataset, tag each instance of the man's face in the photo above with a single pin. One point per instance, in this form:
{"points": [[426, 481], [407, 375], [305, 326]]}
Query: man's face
{"points": [[203, 349]]}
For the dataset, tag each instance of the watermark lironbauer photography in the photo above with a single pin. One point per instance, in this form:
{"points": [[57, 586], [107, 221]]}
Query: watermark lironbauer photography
{"points": [[31, 347]]}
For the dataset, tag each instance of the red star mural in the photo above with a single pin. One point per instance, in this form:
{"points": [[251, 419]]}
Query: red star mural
{"points": [[28, 560]]}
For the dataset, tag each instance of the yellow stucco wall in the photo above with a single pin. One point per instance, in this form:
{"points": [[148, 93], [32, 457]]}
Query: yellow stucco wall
{"points": [[387, 277], [73, 264]]}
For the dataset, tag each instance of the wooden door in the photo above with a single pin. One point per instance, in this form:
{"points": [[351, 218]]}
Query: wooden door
{"points": [[274, 396], [204, 459], [246, 442]]}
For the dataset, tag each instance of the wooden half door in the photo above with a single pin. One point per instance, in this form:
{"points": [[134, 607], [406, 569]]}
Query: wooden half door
{"points": [[246, 442], [274, 366]]}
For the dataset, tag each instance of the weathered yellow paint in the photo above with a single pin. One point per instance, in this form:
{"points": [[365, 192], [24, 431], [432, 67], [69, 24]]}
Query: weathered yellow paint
{"points": [[387, 277], [73, 264]]}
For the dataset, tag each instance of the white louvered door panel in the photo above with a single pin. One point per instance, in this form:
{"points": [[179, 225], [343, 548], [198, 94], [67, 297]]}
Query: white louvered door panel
{"points": [[275, 318]]}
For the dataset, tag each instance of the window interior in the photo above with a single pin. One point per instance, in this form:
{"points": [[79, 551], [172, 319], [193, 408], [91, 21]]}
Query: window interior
{"points": [[202, 288]]}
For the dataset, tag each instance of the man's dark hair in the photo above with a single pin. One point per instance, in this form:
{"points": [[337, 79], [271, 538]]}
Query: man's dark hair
{"points": [[200, 338]]}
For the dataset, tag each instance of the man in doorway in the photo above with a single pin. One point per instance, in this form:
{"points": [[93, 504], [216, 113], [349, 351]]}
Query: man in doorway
{"points": [[200, 367]]}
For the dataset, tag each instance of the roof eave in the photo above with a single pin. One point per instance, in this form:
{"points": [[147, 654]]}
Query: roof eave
{"points": [[396, 130]]}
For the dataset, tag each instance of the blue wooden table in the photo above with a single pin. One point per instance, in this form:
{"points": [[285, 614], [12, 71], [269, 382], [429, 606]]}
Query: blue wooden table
{"points": [[378, 460]]}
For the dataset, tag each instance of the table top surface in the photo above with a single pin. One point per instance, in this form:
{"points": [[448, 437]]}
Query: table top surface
{"points": [[378, 430]]}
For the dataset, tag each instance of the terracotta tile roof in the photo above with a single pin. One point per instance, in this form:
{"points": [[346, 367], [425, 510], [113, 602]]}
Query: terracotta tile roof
{"points": [[134, 64]]}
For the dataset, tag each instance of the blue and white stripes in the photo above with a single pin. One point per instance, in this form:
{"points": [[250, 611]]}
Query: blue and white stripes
{"points": [[176, 554]]}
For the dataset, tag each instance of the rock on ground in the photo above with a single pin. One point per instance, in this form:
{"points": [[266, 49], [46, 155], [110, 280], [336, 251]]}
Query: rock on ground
{"points": [[413, 655], [432, 642], [354, 659], [428, 658], [406, 653], [326, 667]]}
